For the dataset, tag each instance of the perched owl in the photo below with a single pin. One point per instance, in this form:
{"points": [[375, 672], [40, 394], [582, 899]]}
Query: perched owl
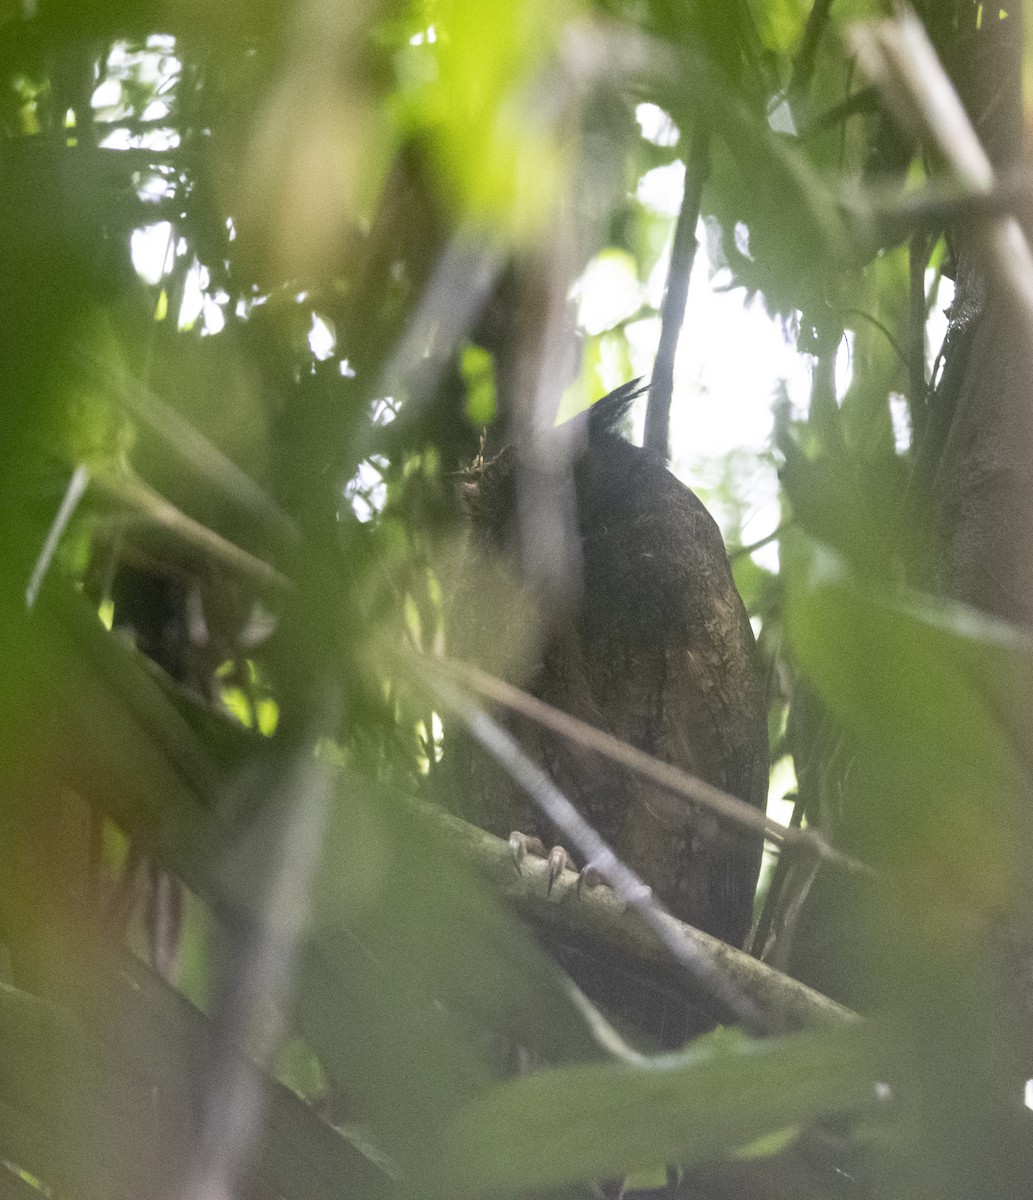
{"points": [[654, 646]]}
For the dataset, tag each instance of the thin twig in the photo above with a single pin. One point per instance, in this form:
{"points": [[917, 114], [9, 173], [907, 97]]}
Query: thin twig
{"points": [[759, 941], [209, 463], [859, 103], [918, 258], [672, 312], [886, 216], [73, 494], [738, 552], [670, 778], [706, 976], [880, 326], [139, 497]]}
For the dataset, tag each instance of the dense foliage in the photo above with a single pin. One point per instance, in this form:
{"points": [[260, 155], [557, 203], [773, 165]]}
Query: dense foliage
{"points": [[269, 272]]}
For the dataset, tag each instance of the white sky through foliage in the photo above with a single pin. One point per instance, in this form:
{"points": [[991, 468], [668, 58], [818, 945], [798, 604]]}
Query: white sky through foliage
{"points": [[733, 357]]}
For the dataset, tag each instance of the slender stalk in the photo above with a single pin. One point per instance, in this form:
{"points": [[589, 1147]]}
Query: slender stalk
{"points": [[672, 311]]}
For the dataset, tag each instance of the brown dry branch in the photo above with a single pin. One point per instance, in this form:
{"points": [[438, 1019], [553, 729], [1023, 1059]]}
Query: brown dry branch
{"points": [[671, 779]]}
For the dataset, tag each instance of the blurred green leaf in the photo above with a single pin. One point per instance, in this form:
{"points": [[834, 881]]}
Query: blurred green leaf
{"points": [[606, 363], [593, 1122], [479, 375], [104, 1103], [780, 225], [938, 694], [751, 579], [408, 954], [874, 307], [780, 23], [491, 104]]}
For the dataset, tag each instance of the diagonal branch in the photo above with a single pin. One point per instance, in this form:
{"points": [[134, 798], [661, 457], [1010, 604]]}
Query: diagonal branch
{"points": [[202, 458], [670, 778], [125, 488]]}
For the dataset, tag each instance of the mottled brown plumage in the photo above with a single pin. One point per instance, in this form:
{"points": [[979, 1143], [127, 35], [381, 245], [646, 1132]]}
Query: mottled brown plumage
{"points": [[657, 650]]}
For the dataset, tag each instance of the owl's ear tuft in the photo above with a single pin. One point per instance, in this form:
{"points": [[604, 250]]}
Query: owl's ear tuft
{"points": [[606, 414]]}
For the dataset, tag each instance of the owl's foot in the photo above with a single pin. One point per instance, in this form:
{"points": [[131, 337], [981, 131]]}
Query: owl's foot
{"points": [[589, 877], [522, 845], [559, 860]]}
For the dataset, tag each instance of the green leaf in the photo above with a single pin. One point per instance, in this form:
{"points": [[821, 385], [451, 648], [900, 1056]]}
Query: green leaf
{"points": [[935, 693], [592, 1122], [499, 154], [478, 371], [103, 1103], [407, 959], [780, 23]]}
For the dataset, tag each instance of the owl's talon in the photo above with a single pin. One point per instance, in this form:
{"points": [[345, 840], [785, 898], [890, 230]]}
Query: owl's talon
{"points": [[522, 845], [559, 861]]}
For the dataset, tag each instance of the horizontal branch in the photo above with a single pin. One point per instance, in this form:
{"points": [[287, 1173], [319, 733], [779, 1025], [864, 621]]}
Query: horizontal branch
{"points": [[598, 917]]}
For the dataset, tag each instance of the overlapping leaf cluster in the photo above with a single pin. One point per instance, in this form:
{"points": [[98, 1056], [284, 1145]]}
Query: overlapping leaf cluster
{"points": [[272, 405]]}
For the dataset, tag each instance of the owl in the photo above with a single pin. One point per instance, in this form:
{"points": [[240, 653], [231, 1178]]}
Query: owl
{"points": [[651, 644]]}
